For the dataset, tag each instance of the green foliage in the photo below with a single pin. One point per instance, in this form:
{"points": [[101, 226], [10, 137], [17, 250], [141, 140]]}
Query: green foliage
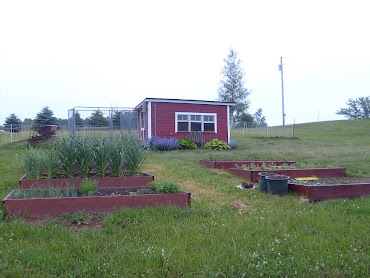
{"points": [[186, 144], [166, 186], [67, 149], [134, 155], [88, 187], [13, 119], [231, 88], [117, 158], [97, 118], [102, 151], [357, 109], [44, 117], [86, 157], [216, 144], [34, 163], [144, 191], [50, 162]]}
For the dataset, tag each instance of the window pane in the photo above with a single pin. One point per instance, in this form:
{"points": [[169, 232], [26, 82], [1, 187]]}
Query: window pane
{"points": [[196, 126], [195, 118], [210, 118], [182, 117], [182, 126], [209, 127]]}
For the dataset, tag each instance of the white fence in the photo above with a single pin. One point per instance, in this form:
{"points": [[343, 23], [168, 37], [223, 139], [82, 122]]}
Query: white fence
{"points": [[255, 130]]}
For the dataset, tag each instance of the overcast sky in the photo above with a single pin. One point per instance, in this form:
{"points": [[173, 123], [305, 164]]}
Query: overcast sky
{"points": [[63, 54]]}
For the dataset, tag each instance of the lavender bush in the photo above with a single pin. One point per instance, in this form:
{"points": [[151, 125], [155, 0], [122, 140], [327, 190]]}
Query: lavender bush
{"points": [[163, 144]]}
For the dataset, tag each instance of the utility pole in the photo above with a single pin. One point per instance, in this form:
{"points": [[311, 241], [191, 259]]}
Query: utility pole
{"points": [[282, 87]]}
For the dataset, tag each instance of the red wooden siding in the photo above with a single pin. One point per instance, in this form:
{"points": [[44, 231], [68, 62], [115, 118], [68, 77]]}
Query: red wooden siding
{"points": [[163, 119]]}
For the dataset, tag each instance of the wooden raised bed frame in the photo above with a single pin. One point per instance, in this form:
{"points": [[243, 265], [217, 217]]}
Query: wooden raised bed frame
{"points": [[252, 175], [90, 204], [107, 182], [331, 191], [226, 164]]}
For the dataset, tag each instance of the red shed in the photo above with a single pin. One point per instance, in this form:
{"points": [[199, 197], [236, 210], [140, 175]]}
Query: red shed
{"points": [[178, 117]]}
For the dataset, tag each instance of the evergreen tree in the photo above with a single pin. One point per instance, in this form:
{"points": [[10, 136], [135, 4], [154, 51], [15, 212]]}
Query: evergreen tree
{"points": [[97, 118], [13, 123], [357, 109], [78, 120], [44, 117], [27, 121], [231, 87]]}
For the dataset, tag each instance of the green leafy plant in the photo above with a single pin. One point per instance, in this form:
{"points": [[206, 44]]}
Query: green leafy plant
{"points": [[88, 187], [117, 158], [51, 162], [80, 218], [67, 149], [186, 144], [102, 150], [144, 191], [134, 156], [216, 144], [85, 157], [166, 186]]}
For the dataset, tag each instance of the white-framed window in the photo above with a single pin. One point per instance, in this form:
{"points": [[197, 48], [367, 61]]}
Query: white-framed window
{"points": [[189, 121]]}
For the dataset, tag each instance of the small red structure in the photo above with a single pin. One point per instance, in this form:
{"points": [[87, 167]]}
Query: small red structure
{"points": [[178, 117]]}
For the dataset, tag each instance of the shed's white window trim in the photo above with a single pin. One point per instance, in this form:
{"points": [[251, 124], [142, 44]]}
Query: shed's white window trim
{"points": [[191, 117]]}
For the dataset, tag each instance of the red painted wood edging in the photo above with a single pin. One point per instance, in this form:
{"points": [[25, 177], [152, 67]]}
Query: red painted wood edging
{"points": [[226, 164], [252, 175], [90, 204], [331, 191], [107, 182]]}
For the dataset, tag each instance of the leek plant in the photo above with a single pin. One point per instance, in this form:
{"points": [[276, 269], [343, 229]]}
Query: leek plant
{"points": [[134, 156], [85, 157], [51, 162], [68, 152], [33, 164], [102, 151], [117, 158]]}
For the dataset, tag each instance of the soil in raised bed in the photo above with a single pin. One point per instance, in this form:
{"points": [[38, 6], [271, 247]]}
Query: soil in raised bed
{"points": [[333, 180], [115, 192]]}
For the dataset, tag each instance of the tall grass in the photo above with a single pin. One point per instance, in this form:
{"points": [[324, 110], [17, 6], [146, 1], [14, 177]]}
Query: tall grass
{"points": [[50, 162]]}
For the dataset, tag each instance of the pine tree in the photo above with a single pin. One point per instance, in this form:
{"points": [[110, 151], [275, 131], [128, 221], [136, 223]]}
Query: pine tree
{"points": [[97, 118], [44, 117], [13, 123]]}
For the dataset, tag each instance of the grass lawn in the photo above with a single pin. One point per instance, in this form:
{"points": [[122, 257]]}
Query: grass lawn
{"points": [[227, 232]]}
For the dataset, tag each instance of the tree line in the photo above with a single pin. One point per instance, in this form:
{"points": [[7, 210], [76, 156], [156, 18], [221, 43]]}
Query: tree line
{"points": [[46, 117]]}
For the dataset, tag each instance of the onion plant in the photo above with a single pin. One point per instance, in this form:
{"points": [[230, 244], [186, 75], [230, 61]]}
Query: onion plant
{"points": [[85, 157], [134, 156], [51, 162], [117, 158], [33, 164], [102, 151], [68, 152]]}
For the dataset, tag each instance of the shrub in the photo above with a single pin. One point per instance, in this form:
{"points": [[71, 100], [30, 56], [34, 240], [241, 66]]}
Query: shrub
{"points": [[186, 144], [163, 144], [88, 187], [216, 144], [166, 186]]}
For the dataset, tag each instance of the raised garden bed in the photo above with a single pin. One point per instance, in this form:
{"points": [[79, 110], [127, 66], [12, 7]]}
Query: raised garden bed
{"points": [[36, 207], [252, 175], [332, 188], [226, 164], [106, 182]]}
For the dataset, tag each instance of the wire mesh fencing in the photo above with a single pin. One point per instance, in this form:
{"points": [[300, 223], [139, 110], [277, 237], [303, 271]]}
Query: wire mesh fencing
{"points": [[256, 130]]}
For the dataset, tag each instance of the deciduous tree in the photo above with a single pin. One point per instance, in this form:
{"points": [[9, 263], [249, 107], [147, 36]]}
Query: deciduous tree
{"points": [[357, 109]]}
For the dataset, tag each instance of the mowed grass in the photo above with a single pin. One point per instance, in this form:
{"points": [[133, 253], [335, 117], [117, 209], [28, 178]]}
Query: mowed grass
{"points": [[259, 235]]}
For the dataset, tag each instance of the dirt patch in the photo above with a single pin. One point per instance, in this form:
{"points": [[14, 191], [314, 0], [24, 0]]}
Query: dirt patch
{"points": [[116, 192], [334, 180], [240, 207]]}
